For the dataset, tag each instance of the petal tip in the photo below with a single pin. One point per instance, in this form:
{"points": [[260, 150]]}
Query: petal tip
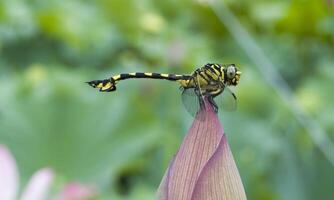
{"points": [[38, 185], [9, 177]]}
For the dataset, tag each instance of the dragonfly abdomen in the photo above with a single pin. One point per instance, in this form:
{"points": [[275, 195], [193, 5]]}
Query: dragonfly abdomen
{"points": [[109, 85], [171, 77]]}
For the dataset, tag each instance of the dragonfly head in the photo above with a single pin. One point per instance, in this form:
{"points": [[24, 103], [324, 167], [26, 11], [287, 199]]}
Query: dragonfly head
{"points": [[232, 74]]}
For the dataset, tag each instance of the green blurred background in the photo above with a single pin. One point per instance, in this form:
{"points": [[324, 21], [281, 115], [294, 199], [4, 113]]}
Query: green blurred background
{"points": [[123, 141]]}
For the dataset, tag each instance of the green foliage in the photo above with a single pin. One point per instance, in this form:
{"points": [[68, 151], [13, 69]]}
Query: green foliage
{"points": [[123, 141]]}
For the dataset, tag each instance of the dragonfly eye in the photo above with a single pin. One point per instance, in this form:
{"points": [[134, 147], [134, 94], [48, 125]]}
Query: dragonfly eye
{"points": [[230, 72]]}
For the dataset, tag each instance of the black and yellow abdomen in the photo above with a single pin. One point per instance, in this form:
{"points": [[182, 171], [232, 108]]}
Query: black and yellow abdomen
{"points": [[109, 85]]}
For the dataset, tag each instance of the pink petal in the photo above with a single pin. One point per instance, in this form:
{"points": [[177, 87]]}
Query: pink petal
{"points": [[8, 175], [38, 185], [76, 191], [197, 148], [162, 193], [220, 178]]}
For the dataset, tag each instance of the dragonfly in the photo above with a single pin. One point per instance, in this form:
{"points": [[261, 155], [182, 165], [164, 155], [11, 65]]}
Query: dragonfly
{"points": [[209, 83]]}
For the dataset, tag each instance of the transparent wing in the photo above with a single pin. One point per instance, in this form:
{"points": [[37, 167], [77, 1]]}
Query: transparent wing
{"points": [[227, 100], [191, 101]]}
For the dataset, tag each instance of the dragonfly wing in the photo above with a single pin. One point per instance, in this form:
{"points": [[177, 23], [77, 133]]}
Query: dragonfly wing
{"points": [[227, 100], [191, 101]]}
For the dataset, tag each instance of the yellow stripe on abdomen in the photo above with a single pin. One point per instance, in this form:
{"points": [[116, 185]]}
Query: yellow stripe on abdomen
{"points": [[107, 86], [116, 77]]}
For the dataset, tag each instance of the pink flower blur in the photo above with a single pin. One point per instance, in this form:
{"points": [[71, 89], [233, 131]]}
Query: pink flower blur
{"points": [[36, 188], [76, 191], [38, 185]]}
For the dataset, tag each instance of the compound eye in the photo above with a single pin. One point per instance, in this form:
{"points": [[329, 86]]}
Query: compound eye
{"points": [[230, 72]]}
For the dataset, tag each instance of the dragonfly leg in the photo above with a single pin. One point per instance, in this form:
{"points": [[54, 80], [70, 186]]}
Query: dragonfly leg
{"points": [[200, 99], [213, 103]]}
